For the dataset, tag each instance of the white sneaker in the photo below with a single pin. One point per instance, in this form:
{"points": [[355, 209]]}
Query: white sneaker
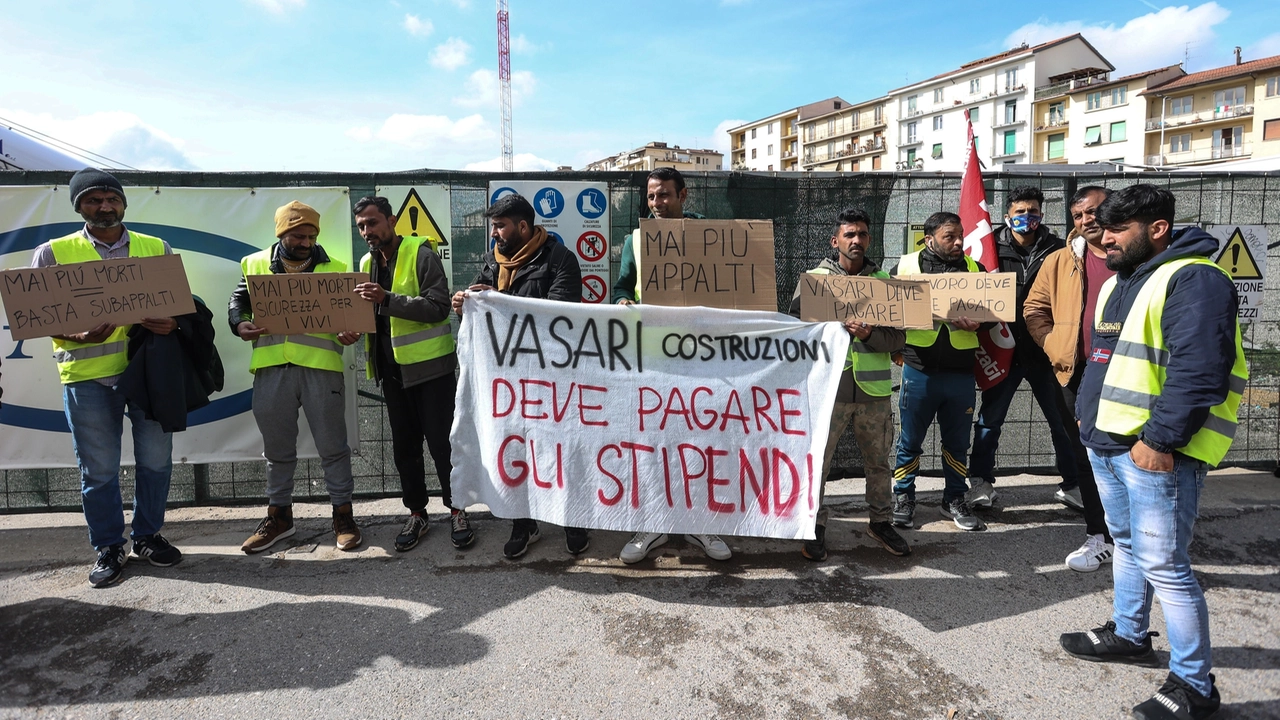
{"points": [[640, 545], [1092, 554], [982, 494], [1070, 498], [713, 546]]}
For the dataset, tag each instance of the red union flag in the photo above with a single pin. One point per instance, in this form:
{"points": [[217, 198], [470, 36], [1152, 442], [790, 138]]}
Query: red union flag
{"points": [[994, 356]]}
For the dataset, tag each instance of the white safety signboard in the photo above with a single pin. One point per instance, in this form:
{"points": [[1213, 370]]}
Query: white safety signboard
{"points": [[575, 214], [1242, 251], [423, 211]]}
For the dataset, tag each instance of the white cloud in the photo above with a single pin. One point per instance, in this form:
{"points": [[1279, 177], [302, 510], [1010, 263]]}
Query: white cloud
{"points": [[521, 45], [1144, 43], [417, 26], [483, 86], [279, 7], [720, 137], [520, 162], [435, 133], [1266, 47], [451, 54], [460, 4], [117, 135]]}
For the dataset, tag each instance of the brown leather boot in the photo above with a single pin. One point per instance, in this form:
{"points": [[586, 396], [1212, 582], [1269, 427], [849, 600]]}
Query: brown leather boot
{"points": [[344, 527], [277, 525]]}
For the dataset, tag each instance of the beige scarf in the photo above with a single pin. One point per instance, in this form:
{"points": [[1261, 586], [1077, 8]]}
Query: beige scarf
{"points": [[507, 267]]}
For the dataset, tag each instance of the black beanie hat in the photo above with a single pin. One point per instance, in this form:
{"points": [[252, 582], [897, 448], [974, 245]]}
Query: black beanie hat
{"points": [[93, 179]]}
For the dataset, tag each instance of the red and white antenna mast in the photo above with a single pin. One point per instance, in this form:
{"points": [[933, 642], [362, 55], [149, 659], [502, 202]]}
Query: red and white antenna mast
{"points": [[504, 78]]}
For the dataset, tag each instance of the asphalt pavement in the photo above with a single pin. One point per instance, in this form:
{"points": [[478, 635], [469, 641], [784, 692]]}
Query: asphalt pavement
{"points": [[965, 627]]}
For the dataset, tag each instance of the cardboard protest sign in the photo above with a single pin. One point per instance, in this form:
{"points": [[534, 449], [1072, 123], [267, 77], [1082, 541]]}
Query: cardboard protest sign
{"points": [[643, 418], [315, 302], [713, 263], [984, 297], [65, 299], [888, 303]]}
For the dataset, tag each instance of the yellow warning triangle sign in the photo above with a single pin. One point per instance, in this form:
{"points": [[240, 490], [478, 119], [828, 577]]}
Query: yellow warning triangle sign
{"points": [[415, 220], [1237, 259]]}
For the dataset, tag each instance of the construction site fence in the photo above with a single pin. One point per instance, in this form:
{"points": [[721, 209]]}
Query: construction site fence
{"points": [[803, 208]]}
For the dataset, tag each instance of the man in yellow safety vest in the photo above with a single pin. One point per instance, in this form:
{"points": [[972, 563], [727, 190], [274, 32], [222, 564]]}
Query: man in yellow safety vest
{"points": [[412, 357], [89, 364], [292, 372], [1157, 408]]}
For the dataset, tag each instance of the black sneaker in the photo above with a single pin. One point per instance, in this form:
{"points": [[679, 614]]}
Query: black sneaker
{"points": [[883, 533], [460, 535], [576, 540], [962, 515], [156, 550], [522, 536], [109, 566], [1176, 700], [1103, 645], [415, 528], [816, 549], [904, 511]]}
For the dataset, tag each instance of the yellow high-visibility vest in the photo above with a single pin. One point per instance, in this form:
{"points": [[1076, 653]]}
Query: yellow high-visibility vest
{"points": [[321, 351], [1136, 372], [411, 341], [960, 339], [872, 371], [89, 361]]}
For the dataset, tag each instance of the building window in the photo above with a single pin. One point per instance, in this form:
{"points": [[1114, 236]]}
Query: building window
{"points": [[973, 114], [1117, 131], [975, 143], [770, 150], [1118, 95], [1271, 129], [1093, 135], [808, 132], [1010, 142], [771, 167], [1181, 106], [1057, 113], [937, 122], [911, 156], [911, 132], [753, 153], [1010, 79], [1228, 142], [831, 126], [1226, 99], [1095, 101], [753, 133], [1011, 112], [911, 103], [1057, 146], [770, 130], [879, 115], [975, 86], [1180, 143], [831, 150], [937, 151], [1273, 86], [937, 95]]}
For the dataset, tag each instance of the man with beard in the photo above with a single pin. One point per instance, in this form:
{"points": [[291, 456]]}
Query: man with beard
{"points": [[412, 357], [525, 263], [292, 372], [1158, 408], [89, 365], [1058, 311]]}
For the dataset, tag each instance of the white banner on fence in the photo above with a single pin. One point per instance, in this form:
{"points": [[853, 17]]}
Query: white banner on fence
{"points": [[650, 418], [212, 228], [575, 214]]}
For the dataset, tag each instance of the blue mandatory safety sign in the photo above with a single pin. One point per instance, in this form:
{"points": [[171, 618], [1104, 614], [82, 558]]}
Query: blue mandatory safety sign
{"points": [[548, 202], [592, 203], [500, 192], [554, 237]]}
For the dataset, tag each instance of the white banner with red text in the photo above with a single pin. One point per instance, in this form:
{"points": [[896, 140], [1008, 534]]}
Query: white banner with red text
{"points": [[644, 418]]}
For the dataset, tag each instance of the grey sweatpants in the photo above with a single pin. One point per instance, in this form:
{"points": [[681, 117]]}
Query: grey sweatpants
{"points": [[873, 430], [278, 392]]}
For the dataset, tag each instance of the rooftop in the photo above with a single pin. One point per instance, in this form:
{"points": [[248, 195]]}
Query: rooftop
{"points": [[1223, 73], [1022, 49]]}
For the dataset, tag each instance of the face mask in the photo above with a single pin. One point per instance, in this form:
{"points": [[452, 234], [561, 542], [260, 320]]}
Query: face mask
{"points": [[1023, 224]]}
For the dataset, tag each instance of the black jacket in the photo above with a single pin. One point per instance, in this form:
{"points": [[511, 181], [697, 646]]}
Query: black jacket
{"points": [[552, 274], [940, 357], [170, 375], [1026, 264], [240, 308]]}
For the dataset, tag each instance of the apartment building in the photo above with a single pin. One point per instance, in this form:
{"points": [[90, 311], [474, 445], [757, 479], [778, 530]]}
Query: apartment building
{"points": [[844, 138], [766, 144], [928, 128], [1085, 116], [656, 154], [1227, 113]]}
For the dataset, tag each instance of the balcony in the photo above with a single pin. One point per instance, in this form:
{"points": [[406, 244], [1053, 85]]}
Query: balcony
{"points": [[1105, 102], [1066, 86], [913, 113], [1173, 121], [1203, 155], [1002, 155], [1055, 123], [910, 141], [1005, 124], [849, 151], [789, 154]]}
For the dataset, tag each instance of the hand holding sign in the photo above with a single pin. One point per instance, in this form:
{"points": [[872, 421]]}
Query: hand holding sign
{"points": [[296, 303]]}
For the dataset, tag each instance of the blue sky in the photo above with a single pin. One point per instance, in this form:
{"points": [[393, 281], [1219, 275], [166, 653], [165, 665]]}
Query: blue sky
{"points": [[399, 84]]}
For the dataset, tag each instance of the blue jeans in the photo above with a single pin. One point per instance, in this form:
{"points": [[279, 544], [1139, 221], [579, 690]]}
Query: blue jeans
{"points": [[995, 407], [1151, 516], [96, 413], [948, 396]]}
